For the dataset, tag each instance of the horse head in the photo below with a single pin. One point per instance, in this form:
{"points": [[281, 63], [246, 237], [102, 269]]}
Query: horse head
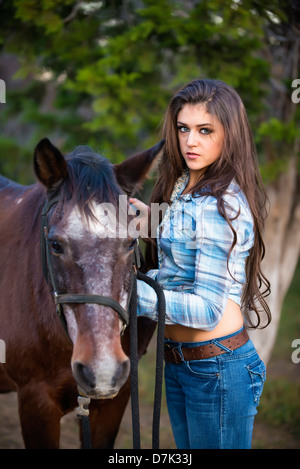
{"points": [[90, 249]]}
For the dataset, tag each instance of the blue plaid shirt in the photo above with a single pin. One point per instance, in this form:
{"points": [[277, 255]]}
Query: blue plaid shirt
{"points": [[193, 245]]}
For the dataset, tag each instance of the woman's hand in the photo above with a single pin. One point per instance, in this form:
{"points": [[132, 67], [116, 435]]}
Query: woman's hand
{"points": [[142, 216]]}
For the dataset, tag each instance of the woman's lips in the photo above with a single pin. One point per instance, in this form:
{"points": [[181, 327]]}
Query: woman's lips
{"points": [[192, 156]]}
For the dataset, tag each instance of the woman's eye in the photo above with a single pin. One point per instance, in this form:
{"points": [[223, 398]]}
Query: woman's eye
{"points": [[182, 128], [56, 247], [205, 131]]}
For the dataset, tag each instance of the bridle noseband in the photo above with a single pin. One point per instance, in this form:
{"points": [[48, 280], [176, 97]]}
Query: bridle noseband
{"points": [[61, 299]]}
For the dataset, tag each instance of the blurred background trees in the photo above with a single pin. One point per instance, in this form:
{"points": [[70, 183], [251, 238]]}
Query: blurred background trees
{"points": [[102, 73]]}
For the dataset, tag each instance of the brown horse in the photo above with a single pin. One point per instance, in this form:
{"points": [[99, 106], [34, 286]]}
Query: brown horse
{"points": [[88, 256]]}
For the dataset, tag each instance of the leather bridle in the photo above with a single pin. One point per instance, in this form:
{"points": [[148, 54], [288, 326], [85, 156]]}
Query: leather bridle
{"points": [[61, 299]]}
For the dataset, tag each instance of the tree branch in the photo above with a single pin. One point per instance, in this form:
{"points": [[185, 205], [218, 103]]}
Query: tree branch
{"points": [[73, 13]]}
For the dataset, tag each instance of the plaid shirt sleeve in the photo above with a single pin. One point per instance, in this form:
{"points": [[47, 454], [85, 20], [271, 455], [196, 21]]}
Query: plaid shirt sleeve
{"points": [[214, 279]]}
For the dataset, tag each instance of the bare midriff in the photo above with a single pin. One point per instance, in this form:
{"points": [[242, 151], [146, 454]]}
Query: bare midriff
{"points": [[231, 321]]}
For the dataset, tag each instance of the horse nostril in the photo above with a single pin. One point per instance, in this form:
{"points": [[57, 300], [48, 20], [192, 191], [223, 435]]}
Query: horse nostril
{"points": [[84, 375], [121, 374]]}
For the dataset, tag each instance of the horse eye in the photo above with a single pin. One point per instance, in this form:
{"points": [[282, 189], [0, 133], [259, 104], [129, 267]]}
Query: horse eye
{"points": [[56, 247]]}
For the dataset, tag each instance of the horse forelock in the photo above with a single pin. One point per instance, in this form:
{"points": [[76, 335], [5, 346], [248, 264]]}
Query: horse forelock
{"points": [[90, 179]]}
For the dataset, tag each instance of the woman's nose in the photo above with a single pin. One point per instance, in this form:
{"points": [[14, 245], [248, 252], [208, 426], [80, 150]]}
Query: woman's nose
{"points": [[192, 140]]}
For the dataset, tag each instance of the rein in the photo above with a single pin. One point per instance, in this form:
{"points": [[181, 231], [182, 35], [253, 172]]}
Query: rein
{"points": [[126, 317], [159, 363]]}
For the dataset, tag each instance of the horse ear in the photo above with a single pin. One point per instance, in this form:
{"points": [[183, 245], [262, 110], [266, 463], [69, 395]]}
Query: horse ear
{"points": [[49, 164], [132, 172]]}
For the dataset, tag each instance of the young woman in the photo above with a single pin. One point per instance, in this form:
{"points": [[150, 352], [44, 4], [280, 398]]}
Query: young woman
{"points": [[209, 252]]}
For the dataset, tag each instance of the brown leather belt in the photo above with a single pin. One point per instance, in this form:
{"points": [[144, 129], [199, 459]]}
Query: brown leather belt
{"points": [[172, 354]]}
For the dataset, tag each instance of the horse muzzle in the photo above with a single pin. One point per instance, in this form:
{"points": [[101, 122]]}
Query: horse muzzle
{"points": [[101, 382]]}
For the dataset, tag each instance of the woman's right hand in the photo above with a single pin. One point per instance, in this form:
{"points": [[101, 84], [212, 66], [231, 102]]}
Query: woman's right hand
{"points": [[143, 216]]}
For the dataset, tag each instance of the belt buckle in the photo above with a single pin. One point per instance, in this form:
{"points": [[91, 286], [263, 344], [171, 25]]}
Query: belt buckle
{"points": [[175, 352]]}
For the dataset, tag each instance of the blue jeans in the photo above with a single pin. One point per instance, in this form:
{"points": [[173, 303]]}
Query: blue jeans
{"points": [[212, 402]]}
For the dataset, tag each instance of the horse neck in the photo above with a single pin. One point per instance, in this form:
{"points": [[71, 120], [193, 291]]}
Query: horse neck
{"points": [[29, 211]]}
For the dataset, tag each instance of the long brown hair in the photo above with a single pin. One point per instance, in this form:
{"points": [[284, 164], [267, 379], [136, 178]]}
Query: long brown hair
{"points": [[238, 160]]}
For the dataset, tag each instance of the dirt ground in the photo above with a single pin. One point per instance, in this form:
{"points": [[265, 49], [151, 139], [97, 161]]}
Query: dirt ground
{"points": [[264, 437]]}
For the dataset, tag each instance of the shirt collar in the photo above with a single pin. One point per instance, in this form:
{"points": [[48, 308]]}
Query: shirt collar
{"points": [[180, 185]]}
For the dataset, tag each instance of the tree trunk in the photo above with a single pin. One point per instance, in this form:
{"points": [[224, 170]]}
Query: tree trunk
{"points": [[282, 240], [282, 231]]}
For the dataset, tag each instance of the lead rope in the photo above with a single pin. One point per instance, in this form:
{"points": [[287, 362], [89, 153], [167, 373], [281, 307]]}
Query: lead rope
{"points": [[159, 356], [133, 355], [83, 414]]}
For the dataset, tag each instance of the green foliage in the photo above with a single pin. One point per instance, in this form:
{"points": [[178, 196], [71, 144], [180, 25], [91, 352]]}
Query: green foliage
{"points": [[113, 66], [279, 131], [278, 138]]}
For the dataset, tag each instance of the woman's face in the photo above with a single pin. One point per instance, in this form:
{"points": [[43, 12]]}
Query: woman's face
{"points": [[200, 136]]}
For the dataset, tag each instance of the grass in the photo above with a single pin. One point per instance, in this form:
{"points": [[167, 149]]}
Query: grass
{"points": [[280, 404]]}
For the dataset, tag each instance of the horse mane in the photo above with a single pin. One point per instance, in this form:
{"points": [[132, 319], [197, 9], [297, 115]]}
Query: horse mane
{"points": [[90, 178]]}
